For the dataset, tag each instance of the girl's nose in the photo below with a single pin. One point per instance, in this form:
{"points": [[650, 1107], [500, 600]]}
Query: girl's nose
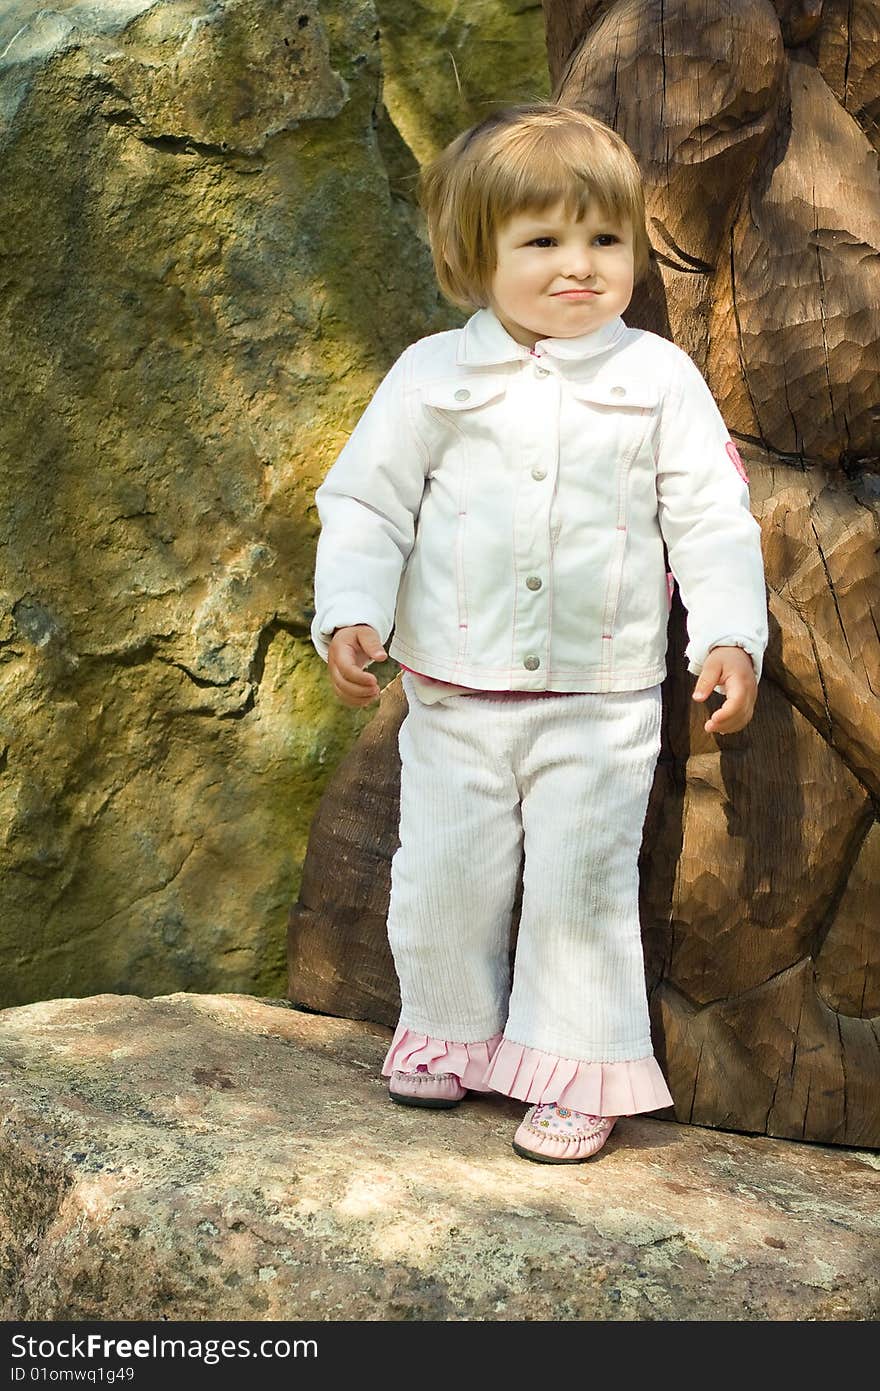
{"points": [[579, 266]]}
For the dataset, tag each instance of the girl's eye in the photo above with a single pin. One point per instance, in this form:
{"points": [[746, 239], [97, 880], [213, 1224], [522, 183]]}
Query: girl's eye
{"points": [[607, 238]]}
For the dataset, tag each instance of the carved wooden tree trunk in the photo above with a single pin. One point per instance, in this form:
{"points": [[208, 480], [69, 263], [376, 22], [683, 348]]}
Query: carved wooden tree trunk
{"points": [[756, 128]]}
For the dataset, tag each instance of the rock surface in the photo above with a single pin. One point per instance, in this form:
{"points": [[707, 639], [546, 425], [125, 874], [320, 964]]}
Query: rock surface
{"points": [[446, 66], [207, 268], [225, 1157]]}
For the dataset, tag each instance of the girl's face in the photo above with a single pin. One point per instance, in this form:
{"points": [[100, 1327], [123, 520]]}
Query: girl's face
{"points": [[546, 265]]}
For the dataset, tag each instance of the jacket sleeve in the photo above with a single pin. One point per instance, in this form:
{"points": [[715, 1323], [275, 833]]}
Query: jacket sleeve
{"points": [[368, 505], [712, 539]]}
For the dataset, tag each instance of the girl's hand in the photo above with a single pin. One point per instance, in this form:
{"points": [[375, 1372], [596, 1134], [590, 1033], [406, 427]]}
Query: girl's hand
{"points": [[351, 649], [732, 668]]}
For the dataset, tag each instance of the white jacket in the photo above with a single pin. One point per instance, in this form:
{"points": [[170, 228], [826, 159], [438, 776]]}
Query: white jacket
{"points": [[504, 509]]}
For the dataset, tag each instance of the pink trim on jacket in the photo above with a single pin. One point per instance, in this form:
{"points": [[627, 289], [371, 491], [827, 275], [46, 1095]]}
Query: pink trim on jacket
{"points": [[435, 681]]}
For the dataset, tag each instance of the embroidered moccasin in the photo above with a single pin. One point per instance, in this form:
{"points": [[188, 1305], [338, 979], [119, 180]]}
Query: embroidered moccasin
{"points": [[553, 1134], [424, 1088]]}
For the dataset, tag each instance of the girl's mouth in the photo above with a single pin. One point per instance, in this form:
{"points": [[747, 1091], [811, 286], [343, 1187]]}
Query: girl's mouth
{"points": [[575, 294]]}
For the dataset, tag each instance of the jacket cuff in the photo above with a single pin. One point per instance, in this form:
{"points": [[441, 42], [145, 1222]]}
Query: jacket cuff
{"points": [[344, 614], [755, 651]]}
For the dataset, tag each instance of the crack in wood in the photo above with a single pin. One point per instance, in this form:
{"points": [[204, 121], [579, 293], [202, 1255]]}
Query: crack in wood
{"points": [[831, 588], [849, 16], [855, 845], [829, 735], [739, 341], [822, 302]]}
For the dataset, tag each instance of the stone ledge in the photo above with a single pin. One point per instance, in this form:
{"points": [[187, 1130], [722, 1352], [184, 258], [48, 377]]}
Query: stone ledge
{"points": [[223, 1157]]}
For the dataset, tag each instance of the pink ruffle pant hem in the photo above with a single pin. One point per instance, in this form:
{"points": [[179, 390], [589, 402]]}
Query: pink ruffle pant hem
{"points": [[527, 1074], [466, 1061]]}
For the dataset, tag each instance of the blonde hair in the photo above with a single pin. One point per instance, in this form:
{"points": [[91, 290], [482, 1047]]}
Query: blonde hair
{"points": [[519, 159]]}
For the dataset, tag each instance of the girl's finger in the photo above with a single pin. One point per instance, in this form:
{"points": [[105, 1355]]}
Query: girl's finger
{"points": [[351, 671], [354, 703], [357, 702], [726, 720], [359, 690]]}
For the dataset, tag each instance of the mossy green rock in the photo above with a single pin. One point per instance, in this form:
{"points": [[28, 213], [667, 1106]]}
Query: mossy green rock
{"points": [[448, 64], [206, 272]]}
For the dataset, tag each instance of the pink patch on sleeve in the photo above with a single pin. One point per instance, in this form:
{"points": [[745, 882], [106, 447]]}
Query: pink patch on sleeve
{"points": [[733, 455]]}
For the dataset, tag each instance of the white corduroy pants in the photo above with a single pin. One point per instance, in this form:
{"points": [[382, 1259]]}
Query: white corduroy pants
{"points": [[566, 779]]}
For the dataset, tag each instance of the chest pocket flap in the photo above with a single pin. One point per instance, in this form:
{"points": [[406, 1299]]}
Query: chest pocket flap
{"points": [[462, 394], [624, 394]]}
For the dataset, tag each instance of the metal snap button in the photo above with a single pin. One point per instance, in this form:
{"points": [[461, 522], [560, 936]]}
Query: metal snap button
{"points": [[532, 663], [462, 395], [618, 391], [542, 372], [539, 473], [533, 582]]}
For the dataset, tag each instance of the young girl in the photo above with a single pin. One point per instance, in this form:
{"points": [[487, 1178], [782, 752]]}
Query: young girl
{"points": [[503, 504]]}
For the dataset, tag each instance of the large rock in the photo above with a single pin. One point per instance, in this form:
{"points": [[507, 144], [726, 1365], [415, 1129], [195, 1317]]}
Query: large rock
{"points": [[446, 66], [221, 1157], [206, 272]]}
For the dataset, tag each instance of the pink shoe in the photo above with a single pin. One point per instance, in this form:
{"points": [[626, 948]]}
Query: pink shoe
{"points": [[553, 1134], [424, 1088]]}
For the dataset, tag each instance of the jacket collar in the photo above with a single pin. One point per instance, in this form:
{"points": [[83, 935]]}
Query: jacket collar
{"points": [[484, 340]]}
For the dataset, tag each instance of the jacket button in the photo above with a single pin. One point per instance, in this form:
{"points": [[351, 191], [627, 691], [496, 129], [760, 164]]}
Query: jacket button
{"points": [[541, 372], [462, 395], [618, 391], [533, 582], [539, 473], [531, 663]]}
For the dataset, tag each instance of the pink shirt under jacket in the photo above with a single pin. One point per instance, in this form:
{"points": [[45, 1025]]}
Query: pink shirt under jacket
{"points": [[504, 511]]}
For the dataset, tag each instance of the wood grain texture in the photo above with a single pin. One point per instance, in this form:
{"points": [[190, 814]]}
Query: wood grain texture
{"points": [[755, 126], [338, 953]]}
